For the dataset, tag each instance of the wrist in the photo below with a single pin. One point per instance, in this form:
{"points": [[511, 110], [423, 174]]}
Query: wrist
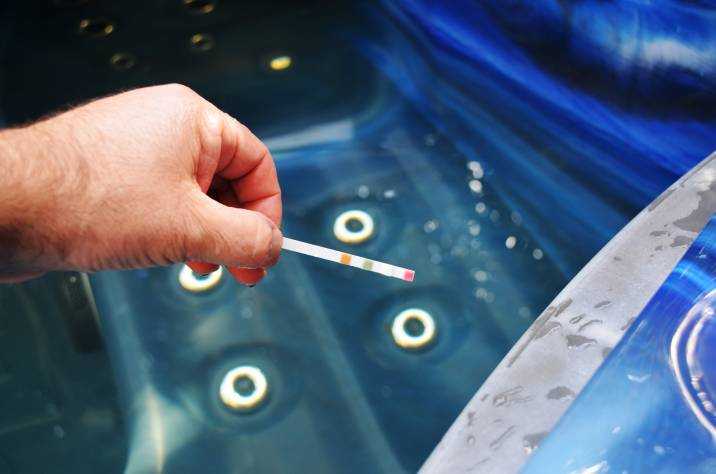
{"points": [[32, 197]]}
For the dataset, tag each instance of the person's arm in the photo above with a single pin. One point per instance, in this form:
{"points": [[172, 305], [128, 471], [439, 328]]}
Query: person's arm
{"points": [[153, 176]]}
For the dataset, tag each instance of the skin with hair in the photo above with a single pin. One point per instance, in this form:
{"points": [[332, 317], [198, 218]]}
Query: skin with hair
{"points": [[153, 176]]}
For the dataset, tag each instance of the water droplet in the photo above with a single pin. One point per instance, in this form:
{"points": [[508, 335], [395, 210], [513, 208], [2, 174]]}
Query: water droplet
{"points": [[546, 329], [510, 242], [429, 140], [247, 313], [473, 228], [481, 293], [597, 468], [628, 323], [561, 393], [436, 259], [531, 441], [58, 431], [575, 341], [480, 208], [494, 215], [524, 312], [497, 442], [659, 450], [481, 275], [516, 218], [476, 169], [471, 440], [431, 226], [475, 186], [616, 429], [638, 378], [389, 194], [537, 254], [577, 318], [363, 191], [589, 323], [602, 304], [475, 244]]}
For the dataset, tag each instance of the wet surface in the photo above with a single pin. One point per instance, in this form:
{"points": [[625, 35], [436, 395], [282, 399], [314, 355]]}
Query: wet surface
{"points": [[658, 385], [625, 274], [575, 341], [559, 393]]}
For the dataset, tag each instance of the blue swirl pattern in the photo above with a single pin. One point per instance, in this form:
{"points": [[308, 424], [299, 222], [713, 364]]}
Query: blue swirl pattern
{"points": [[607, 103]]}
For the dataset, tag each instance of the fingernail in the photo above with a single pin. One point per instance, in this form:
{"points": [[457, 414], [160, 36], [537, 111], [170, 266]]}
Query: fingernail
{"points": [[251, 286]]}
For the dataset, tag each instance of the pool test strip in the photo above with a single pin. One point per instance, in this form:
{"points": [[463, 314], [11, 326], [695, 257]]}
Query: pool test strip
{"points": [[348, 259]]}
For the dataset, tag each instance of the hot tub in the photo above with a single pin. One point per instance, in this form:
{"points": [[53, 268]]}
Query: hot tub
{"points": [[493, 148]]}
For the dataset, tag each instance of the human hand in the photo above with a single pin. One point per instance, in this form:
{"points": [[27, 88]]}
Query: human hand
{"points": [[153, 176]]}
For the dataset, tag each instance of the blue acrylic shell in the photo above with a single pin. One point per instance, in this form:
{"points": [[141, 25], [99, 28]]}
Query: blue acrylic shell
{"points": [[652, 406]]}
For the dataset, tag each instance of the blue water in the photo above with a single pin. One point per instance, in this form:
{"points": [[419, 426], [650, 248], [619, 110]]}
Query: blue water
{"points": [[493, 164]]}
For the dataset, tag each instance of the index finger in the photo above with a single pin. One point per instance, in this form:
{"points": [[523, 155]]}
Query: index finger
{"points": [[249, 167]]}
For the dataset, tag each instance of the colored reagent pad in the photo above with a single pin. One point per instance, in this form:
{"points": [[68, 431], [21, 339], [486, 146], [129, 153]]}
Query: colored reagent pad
{"points": [[348, 259]]}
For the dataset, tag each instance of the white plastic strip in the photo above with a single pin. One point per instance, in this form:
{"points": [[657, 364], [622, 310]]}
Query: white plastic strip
{"points": [[348, 259]]}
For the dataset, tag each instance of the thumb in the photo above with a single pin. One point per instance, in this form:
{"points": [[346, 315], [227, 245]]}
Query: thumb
{"points": [[232, 236]]}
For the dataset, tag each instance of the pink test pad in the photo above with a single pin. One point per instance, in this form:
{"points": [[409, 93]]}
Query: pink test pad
{"points": [[409, 275]]}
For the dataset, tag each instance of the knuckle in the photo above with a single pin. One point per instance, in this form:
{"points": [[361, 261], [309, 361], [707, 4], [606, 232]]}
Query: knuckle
{"points": [[180, 90]]}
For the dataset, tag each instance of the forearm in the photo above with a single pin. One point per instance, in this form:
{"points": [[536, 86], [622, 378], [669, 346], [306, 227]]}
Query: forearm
{"points": [[33, 193]]}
